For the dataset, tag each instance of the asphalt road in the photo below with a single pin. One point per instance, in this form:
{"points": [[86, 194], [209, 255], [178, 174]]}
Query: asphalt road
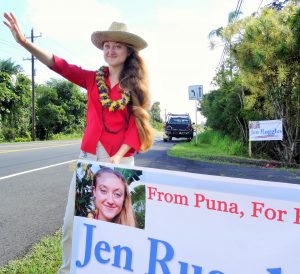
{"points": [[34, 181], [157, 158]]}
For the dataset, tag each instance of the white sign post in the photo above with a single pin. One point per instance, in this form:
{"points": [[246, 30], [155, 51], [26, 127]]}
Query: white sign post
{"points": [[196, 93]]}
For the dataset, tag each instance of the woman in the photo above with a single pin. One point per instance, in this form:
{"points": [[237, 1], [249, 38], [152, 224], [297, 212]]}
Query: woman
{"points": [[117, 122], [111, 198]]}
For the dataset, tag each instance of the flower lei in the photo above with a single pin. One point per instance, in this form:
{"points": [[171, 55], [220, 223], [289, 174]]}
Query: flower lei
{"points": [[105, 100]]}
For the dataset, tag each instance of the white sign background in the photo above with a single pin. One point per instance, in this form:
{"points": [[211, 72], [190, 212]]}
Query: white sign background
{"points": [[204, 241]]}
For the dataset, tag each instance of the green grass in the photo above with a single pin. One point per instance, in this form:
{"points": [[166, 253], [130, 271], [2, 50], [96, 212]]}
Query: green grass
{"points": [[43, 258], [55, 137], [61, 136], [157, 125], [210, 144]]}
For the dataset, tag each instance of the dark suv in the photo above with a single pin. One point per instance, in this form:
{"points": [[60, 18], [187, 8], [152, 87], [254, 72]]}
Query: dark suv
{"points": [[178, 126]]}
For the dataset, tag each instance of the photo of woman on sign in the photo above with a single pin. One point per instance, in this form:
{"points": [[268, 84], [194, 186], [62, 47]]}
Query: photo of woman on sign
{"points": [[112, 194], [112, 199]]}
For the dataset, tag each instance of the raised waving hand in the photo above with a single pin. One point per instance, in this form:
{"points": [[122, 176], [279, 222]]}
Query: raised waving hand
{"points": [[12, 24]]}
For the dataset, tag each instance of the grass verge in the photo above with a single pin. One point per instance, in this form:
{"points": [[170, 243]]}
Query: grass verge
{"points": [[61, 136], [209, 144], [214, 147], [43, 258]]}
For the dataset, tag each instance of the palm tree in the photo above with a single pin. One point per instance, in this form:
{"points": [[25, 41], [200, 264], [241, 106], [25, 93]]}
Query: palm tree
{"points": [[10, 67], [232, 16]]}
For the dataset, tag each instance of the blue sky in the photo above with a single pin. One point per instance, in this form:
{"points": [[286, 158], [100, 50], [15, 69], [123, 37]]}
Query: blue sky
{"points": [[176, 31]]}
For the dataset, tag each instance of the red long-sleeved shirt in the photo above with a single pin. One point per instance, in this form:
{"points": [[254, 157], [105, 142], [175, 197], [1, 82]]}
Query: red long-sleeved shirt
{"points": [[114, 121]]}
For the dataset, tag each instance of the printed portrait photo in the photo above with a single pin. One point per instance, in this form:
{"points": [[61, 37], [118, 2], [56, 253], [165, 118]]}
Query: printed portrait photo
{"points": [[111, 194]]}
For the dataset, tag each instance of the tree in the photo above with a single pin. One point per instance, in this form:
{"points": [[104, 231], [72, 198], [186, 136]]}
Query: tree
{"points": [[223, 107], [218, 33], [260, 80], [14, 102], [10, 67], [60, 108], [155, 112], [267, 55]]}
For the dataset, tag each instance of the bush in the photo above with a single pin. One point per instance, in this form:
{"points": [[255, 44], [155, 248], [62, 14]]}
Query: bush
{"points": [[9, 134], [26, 138], [157, 125], [224, 143]]}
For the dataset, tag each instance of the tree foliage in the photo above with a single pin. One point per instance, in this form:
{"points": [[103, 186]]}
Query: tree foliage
{"points": [[60, 108], [15, 102], [155, 112], [265, 82]]}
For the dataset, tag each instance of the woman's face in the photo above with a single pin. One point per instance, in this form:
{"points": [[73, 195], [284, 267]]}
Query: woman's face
{"points": [[115, 53], [109, 196]]}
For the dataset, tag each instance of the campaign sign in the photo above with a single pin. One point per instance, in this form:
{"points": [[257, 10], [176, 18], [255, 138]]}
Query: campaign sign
{"points": [[266, 130], [191, 224]]}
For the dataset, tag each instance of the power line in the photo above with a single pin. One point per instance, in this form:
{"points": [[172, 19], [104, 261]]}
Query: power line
{"points": [[4, 42], [259, 6]]}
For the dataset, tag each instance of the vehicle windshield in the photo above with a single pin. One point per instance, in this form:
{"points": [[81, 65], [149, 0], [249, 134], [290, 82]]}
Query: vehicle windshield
{"points": [[181, 121]]}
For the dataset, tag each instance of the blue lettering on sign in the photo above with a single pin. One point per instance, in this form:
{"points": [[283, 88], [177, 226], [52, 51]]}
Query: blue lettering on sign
{"points": [[274, 270], [167, 257], [88, 246], [102, 248], [154, 243]]}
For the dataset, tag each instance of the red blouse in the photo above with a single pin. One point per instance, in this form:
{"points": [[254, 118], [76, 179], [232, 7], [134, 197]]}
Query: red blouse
{"points": [[114, 121]]}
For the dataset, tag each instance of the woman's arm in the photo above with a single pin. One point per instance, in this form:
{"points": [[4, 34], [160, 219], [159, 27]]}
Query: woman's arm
{"points": [[12, 24], [119, 155]]}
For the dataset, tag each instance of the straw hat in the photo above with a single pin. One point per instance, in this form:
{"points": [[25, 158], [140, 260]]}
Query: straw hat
{"points": [[118, 32]]}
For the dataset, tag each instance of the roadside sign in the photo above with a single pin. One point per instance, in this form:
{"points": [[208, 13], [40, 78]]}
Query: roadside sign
{"points": [[195, 92], [265, 130], [171, 203]]}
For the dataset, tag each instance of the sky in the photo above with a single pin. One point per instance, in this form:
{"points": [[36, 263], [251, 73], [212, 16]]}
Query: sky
{"points": [[178, 53]]}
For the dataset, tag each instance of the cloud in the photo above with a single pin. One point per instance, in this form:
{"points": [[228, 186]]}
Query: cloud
{"points": [[70, 19], [179, 56]]}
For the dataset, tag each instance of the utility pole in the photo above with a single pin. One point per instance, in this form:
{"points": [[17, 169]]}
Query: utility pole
{"points": [[32, 85]]}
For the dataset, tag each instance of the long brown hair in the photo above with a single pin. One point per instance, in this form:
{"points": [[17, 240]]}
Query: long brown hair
{"points": [[126, 216], [134, 78]]}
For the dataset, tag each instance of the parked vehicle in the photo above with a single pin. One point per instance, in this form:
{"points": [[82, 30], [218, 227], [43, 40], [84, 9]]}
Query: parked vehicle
{"points": [[178, 126]]}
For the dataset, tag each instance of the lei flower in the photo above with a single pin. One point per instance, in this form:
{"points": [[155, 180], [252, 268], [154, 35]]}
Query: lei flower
{"points": [[105, 100]]}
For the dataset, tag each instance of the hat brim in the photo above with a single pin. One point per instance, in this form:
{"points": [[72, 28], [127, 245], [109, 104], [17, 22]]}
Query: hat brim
{"points": [[99, 37]]}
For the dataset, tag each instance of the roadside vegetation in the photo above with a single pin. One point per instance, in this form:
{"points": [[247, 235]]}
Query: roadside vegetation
{"points": [[213, 146], [210, 145], [43, 258], [259, 79]]}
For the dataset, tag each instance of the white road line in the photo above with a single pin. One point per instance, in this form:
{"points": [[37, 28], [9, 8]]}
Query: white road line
{"points": [[37, 169]]}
